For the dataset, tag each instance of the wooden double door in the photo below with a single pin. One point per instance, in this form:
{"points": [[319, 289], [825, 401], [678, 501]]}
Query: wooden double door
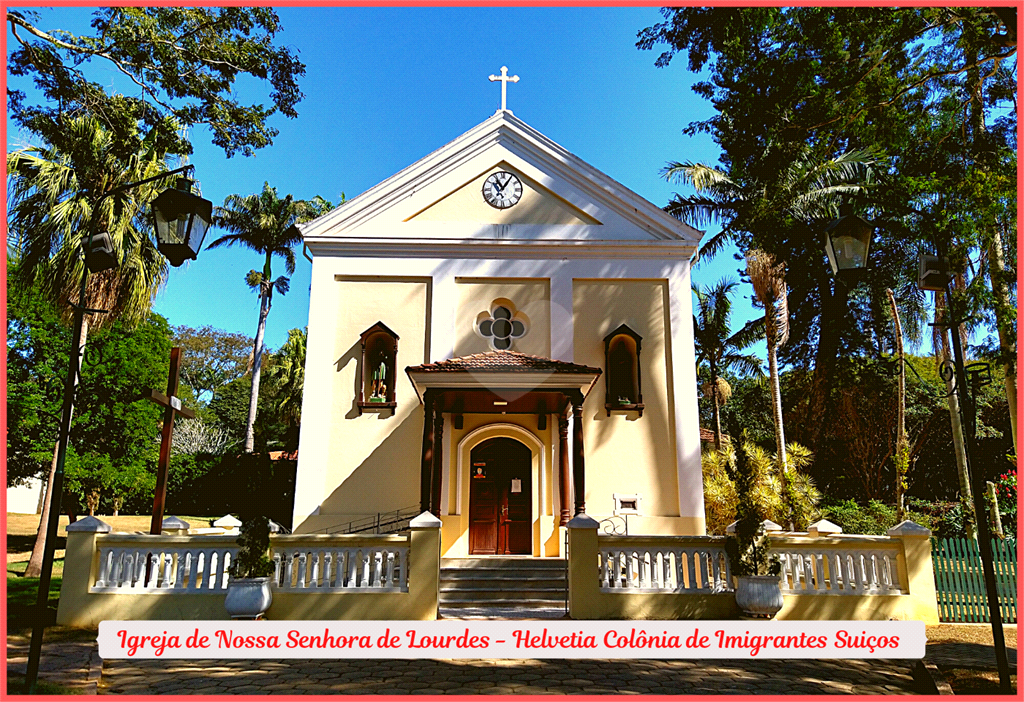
{"points": [[500, 498]]}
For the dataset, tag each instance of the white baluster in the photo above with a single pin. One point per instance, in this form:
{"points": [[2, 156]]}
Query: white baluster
{"points": [[351, 555], [106, 559], [691, 569], [378, 557], [315, 577]]}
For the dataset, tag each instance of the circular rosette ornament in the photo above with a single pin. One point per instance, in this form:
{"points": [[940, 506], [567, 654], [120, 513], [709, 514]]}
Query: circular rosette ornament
{"points": [[503, 325]]}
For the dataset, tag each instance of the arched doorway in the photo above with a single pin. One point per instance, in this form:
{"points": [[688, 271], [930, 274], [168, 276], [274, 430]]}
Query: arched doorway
{"points": [[500, 498]]}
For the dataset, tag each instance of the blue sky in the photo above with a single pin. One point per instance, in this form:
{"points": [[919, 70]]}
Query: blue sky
{"points": [[386, 86]]}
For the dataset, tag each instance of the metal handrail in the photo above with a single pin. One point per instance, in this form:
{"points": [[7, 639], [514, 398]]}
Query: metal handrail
{"points": [[381, 523]]}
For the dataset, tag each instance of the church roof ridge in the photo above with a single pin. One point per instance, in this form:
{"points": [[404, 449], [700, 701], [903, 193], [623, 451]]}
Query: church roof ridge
{"points": [[502, 361], [501, 128]]}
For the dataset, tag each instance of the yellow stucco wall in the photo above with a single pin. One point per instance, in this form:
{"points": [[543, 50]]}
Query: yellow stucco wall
{"points": [[530, 297], [537, 206], [626, 453], [374, 459]]}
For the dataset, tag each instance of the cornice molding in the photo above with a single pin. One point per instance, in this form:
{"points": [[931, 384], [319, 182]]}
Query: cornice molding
{"points": [[380, 247]]}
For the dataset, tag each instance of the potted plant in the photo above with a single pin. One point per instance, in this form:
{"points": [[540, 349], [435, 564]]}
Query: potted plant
{"points": [[758, 592], [249, 594]]}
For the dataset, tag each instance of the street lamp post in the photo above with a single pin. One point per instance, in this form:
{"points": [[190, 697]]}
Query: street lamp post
{"points": [[846, 244], [934, 275], [98, 256]]}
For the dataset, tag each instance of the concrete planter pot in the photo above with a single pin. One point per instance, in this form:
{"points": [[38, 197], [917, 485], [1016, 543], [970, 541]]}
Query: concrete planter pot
{"points": [[759, 595], [248, 598]]}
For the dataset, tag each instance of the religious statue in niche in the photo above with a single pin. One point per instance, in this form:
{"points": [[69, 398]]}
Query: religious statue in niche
{"points": [[479, 470], [378, 387], [378, 368]]}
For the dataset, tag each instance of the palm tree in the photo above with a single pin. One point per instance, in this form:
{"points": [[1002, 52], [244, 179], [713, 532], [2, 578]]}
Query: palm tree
{"points": [[266, 224], [769, 281], [52, 194], [288, 372], [803, 191], [718, 349]]}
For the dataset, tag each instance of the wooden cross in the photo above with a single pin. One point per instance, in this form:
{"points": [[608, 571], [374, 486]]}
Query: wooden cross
{"points": [[172, 406], [505, 80]]}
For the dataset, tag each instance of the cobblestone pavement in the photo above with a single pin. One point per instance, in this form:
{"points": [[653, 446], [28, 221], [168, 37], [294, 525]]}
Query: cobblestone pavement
{"points": [[969, 655], [74, 664], [507, 677]]}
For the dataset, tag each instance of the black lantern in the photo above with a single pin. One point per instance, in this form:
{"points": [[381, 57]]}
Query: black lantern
{"points": [[99, 252], [181, 220], [933, 272], [846, 242]]}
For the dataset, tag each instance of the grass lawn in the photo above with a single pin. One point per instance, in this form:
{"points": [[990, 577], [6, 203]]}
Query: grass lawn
{"points": [[22, 592], [16, 686]]}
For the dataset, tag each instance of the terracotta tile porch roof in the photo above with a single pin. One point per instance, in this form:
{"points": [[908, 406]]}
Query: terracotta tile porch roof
{"points": [[502, 362], [709, 436]]}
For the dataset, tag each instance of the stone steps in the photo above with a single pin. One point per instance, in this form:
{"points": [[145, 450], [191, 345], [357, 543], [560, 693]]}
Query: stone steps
{"points": [[521, 583]]}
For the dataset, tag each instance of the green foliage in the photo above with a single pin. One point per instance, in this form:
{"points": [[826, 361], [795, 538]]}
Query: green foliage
{"points": [[748, 547], [37, 358], [254, 548], [287, 375], [875, 517], [930, 93], [211, 358], [721, 487], [205, 484], [113, 449], [56, 194], [185, 62]]}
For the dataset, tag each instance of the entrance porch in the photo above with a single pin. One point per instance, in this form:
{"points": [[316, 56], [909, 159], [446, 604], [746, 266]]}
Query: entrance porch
{"points": [[496, 453]]}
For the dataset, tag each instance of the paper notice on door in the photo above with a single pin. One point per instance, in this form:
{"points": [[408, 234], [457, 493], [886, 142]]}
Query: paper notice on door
{"points": [[517, 485]]}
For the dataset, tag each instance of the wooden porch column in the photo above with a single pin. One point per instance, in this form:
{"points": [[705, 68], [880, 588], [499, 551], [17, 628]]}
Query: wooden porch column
{"points": [[578, 469], [427, 463], [564, 486], [435, 474]]}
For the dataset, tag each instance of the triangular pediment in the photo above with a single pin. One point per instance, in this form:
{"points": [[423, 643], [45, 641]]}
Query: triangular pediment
{"points": [[440, 197], [537, 204]]}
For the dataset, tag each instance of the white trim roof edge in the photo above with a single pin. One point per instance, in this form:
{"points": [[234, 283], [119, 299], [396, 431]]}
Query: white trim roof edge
{"points": [[498, 127]]}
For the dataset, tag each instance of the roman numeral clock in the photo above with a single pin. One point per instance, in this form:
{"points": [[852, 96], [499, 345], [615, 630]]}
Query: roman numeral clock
{"points": [[502, 190]]}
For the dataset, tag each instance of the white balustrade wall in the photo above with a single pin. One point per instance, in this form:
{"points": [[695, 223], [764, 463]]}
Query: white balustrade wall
{"points": [[302, 563], [316, 568], [129, 564], [865, 566], [663, 564]]}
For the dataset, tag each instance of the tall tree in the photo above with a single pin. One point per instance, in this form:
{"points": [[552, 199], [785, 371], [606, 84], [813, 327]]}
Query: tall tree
{"points": [[183, 63], [266, 224], [211, 358], [54, 191], [769, 281], [719, 349], [834, 80]]}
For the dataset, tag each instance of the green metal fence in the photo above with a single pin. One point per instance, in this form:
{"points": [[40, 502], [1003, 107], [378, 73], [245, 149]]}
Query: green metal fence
{"points": [[960, 580]]}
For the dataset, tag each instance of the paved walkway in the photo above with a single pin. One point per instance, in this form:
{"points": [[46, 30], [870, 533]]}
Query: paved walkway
{"points": [[76, 664], [507, 677]]}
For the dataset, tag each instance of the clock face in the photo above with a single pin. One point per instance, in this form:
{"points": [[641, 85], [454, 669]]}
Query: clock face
{"points": [[502, 190]]}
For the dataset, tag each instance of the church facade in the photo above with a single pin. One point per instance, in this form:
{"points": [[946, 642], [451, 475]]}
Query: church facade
{"points": [[502, 335]]}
